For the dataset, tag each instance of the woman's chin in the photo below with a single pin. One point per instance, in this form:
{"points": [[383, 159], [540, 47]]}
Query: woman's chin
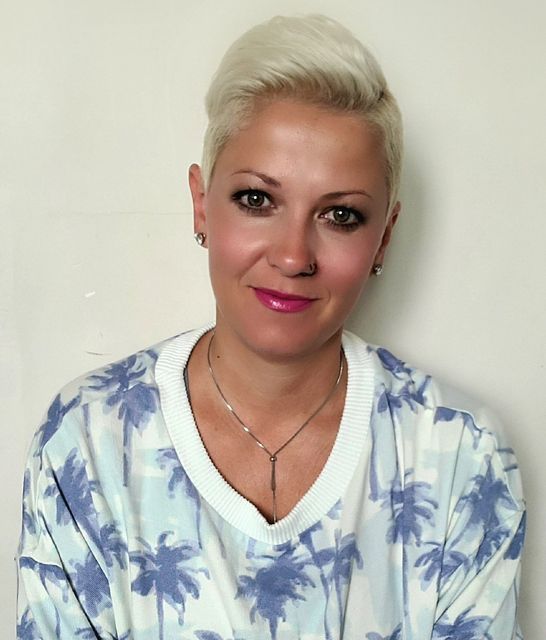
{"points": [[277, 343]]}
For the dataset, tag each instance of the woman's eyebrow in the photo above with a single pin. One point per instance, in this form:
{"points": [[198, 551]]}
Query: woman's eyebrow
{"points": [[340, 194], [327, 196], [263, 176]]}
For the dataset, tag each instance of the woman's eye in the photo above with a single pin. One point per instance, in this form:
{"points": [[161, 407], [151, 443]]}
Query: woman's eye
{"points": [[344, 217], [252, 199]]}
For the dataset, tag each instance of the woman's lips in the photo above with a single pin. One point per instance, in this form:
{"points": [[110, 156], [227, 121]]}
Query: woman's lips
{"points": [[283, 302]]}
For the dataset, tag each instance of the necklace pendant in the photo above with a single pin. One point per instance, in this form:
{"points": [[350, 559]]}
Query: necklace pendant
{"points": [[273, 460], [246, 428]]}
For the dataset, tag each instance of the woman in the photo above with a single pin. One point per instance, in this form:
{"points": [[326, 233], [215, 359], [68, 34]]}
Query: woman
{"points": [[272, 476]]}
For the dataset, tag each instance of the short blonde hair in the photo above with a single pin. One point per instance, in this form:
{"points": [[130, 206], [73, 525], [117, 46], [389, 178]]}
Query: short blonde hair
{"points": [[313, 59]]}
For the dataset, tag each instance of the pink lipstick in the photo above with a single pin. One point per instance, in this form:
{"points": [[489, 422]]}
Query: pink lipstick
{"points": [[283, 302]]}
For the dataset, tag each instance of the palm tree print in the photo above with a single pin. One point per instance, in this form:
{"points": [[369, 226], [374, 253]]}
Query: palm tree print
{"points": [[335, 511], [168, 459], [136, 400], [509, 453], [87, 633], [407, 395], [91, 586], [55, 414], [401, 371], [491, 542], [514, 550], [167, 572], [391, 363], [346, 555], [26, 629], [341, 558], [208, 635], [74, 501], [445, 414], [250, 549], [275, 585], [392, 402], [48, 573], [411, 509], [113, 546], [152, 354], [74, 495], [29, 522], [375, 488], [440, 563], [463, 628], [320, 559], [395, 635], [90, 634], [488, 494]]}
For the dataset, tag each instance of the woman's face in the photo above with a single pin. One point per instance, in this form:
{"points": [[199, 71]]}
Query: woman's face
{"points": [[298, 186]]}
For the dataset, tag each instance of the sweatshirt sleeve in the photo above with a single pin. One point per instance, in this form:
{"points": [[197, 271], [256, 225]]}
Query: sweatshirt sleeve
{"points": [[63, 589], [482, 552]]}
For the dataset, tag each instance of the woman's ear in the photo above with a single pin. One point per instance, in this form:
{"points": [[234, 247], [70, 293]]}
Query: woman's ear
{"points": [[380, 256], [197, 189]]}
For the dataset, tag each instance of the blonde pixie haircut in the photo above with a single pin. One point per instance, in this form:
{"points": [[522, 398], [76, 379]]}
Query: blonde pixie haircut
{"points": [[312, 59]]}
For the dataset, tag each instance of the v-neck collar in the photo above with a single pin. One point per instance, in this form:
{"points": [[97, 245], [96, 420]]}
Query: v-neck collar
{"points": [[329, 486]]}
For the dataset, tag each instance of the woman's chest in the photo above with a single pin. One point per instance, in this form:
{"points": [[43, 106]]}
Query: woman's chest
{"points": [[325, 583], [273, 473]]}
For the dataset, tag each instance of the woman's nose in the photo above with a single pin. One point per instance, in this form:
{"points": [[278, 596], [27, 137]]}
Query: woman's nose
{"points": [[291, 250]]}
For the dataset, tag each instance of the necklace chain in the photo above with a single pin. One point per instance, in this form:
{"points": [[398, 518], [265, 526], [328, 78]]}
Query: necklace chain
{"points": [[272, 454]]}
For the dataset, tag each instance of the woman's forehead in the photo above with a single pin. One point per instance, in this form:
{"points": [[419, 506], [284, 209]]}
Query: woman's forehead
{"points": [[290, 141]]}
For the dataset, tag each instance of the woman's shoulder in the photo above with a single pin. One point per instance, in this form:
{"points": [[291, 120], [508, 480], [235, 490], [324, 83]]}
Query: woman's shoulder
{"points": [[122, 388], [437, 423], [402, 382]]}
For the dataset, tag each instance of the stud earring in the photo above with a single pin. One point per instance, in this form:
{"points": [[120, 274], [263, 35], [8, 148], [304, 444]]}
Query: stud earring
{"points": [[377, 269], [200, 238]]}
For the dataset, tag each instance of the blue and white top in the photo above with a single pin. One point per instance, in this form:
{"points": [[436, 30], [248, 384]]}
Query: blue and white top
{"points": [[413, 530]]}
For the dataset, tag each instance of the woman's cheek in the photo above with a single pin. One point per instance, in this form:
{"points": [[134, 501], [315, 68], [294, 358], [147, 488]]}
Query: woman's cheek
{"points": [[353, 264]]}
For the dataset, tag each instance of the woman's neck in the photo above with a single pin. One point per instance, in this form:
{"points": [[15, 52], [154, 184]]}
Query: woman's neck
{"points": [[263, 388]]}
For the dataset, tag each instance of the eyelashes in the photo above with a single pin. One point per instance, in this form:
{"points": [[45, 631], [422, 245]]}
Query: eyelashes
{"points": [[340, 217], [343, 217], [252, 199]]}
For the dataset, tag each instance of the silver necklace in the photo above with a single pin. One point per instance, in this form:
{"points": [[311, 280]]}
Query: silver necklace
{"points": [[273, 454]]}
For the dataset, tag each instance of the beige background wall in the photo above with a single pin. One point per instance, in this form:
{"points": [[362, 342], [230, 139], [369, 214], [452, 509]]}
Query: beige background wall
{"points": [[100, 116]]}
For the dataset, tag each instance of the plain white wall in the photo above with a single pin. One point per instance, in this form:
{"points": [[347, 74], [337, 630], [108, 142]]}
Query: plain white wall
{"points": [[101, 114]]}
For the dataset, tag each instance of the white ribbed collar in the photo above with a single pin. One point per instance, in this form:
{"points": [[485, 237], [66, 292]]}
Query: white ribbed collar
{"points": [[329, 486]]}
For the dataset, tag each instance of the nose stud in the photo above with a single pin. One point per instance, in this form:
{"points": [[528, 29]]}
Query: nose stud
{"points": [[311, 270]]}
